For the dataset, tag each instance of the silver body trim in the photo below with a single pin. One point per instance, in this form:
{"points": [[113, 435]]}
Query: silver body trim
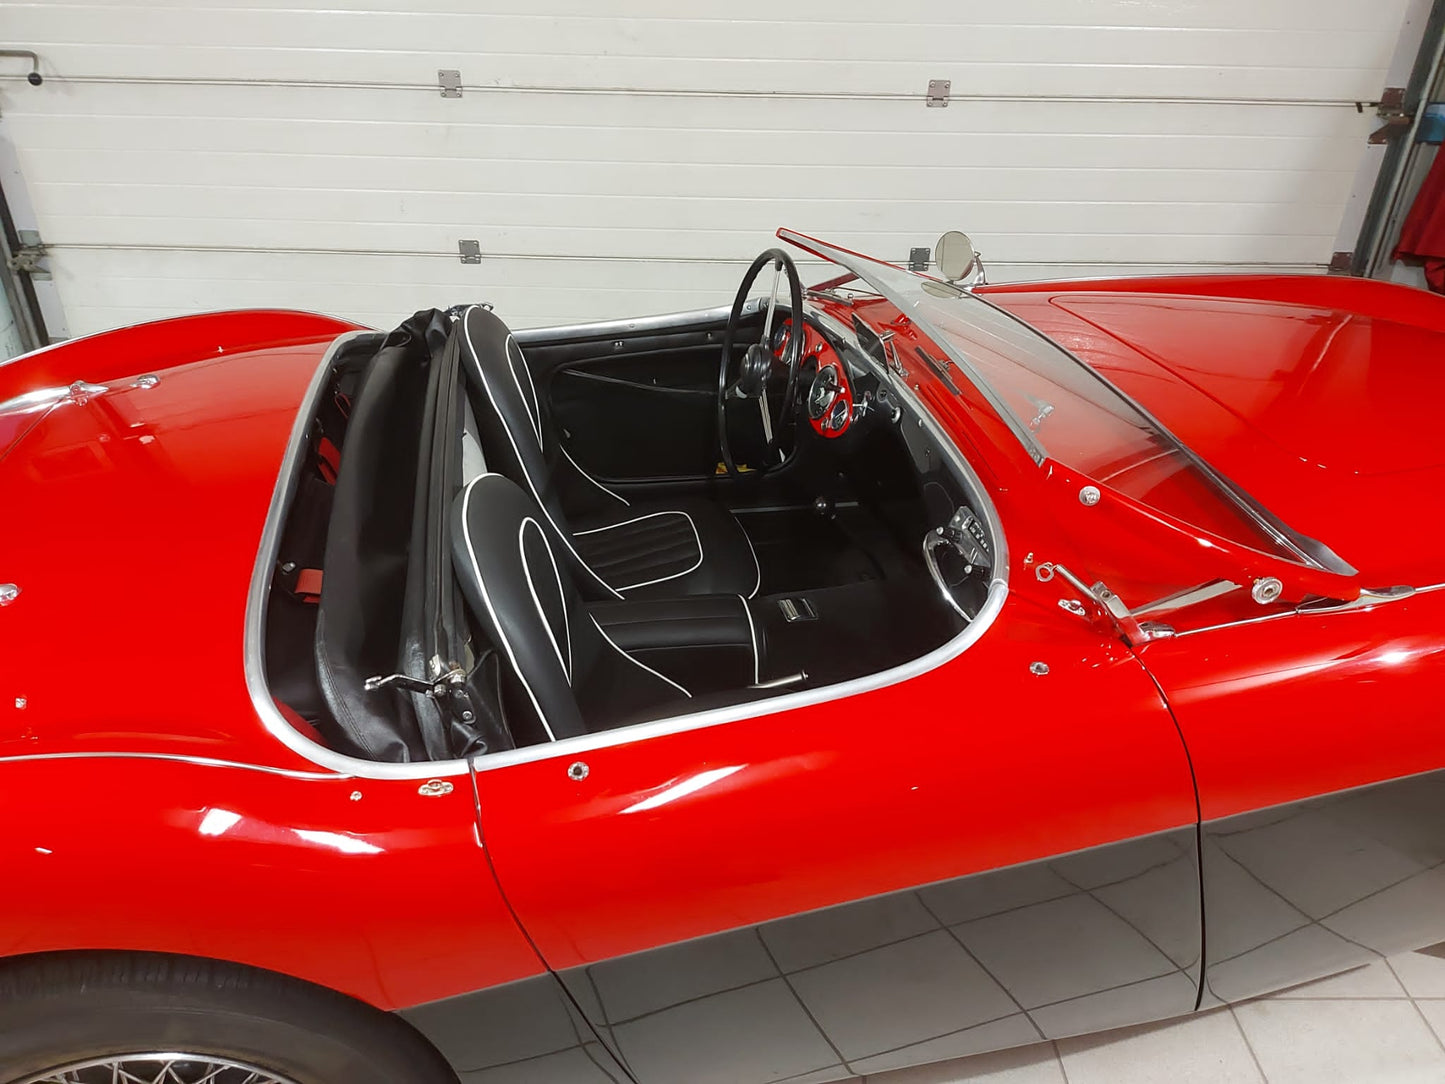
{"points": [[271, 718], [638, 325], [180, 758]]}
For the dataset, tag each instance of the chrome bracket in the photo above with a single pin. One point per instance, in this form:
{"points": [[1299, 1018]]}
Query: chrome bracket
{"points": [[1125, 621], [1368, 597]]}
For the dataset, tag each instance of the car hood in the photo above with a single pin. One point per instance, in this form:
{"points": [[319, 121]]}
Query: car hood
{"points": [[134, 513], [1317, 410]]}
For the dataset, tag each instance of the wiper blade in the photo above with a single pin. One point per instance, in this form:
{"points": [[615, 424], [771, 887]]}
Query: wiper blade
{"points": [[942, 368]]}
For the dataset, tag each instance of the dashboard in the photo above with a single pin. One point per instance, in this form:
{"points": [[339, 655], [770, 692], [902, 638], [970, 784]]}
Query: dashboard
{"points": [[845, 392]]}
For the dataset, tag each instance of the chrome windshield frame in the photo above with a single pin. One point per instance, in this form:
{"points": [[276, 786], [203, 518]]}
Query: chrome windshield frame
{"points": [[1309, 552]]}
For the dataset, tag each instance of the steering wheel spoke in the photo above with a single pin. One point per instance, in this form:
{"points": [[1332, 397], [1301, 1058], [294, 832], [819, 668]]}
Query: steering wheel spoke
{"points": [[758, 363]]}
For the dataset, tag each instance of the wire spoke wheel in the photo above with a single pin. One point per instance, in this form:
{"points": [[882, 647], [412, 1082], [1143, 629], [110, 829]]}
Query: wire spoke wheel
{"points": [[158, 1068]]}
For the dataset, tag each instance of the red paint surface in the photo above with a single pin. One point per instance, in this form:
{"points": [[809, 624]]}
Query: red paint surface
{"points": [[133, 522], [386, 896], [974, 765], [141, 512]]}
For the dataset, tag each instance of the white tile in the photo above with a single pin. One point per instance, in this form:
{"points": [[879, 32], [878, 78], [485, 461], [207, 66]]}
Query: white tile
{"points": [[1203, 1049], [1422, 974], [1061, 949], [1342, 1042], [758, 1033], [1015, 1030], [1372, 980], [1026, 1065], [1435, 1013], [899, 995]]}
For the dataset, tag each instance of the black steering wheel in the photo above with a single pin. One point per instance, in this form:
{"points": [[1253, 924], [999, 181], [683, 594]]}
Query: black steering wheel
{"points": [[759, 361]]}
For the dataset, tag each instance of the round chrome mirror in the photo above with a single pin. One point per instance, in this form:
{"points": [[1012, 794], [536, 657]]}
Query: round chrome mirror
{"points": [[954, 255]]}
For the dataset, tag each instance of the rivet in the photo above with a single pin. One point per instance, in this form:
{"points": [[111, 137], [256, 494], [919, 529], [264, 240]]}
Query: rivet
{"points": [[8, 593], [1089, 496], [356, 796], [577, 771], [20, 703], [1038, 668], [1265, 590]]}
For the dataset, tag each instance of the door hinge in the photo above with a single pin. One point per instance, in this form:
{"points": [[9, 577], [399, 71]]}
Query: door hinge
{"points": [[27, 256], [938, 93], [450, 81], [1391, 109], [469, 251]]}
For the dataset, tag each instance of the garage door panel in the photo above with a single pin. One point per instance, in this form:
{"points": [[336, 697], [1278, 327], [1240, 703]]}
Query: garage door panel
{"points": [[1032, 194], [696, 235], [830, 178], [1251, 14], [590, 126], [301, 154]]}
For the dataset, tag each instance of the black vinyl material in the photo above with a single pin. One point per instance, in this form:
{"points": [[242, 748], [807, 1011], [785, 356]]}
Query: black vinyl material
{"points": [[363, 594], [616, 549], [705, 642], [570, 676]]}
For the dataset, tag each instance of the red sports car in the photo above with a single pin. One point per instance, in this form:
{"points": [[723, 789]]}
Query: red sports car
{"points": [[854, 677]]}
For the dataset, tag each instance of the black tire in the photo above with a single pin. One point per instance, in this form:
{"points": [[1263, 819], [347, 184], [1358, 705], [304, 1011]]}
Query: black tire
{"points": [[61, 1009]]}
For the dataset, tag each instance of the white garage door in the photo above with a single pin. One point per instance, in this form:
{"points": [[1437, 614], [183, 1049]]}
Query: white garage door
{"points": [[616, 157]]}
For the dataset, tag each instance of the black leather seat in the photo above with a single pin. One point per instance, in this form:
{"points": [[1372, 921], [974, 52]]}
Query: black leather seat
{"points": [[571, 677], [617, 549]]}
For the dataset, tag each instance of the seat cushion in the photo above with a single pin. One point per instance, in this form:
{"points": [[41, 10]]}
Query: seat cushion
{"points": [[688, 547]]}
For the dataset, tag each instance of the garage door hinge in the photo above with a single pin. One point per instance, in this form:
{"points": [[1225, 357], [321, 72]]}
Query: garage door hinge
{"points": [[469, 251], [1391, 109], [450, 80], [27, 256], [938, 92]]}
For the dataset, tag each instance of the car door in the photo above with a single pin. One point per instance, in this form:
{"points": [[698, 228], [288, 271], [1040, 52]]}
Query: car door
{"points": [[636, 400], [984, 850]]}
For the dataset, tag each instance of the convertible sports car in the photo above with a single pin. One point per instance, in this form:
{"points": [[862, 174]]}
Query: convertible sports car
{"points": [[854, 677]]}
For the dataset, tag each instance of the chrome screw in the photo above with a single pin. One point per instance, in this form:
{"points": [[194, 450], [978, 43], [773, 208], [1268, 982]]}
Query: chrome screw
{"points": [[1089, 496], [1265, 590], [577, 771]]}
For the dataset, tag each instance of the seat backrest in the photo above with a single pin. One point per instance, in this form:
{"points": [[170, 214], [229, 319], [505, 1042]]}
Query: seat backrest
{"points": [[572, 677], [515, 431]]}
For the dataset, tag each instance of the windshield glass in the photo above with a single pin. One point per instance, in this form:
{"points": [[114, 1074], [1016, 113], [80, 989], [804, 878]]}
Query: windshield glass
{"points": [[1059, 408]]}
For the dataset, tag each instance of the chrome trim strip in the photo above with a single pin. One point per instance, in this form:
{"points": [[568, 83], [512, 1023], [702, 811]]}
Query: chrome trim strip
{"points": [[637, 325], [567, 747], [181, 758]]}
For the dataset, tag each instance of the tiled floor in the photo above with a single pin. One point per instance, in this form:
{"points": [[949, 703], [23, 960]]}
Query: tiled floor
{"points": [[1383, 1023]]}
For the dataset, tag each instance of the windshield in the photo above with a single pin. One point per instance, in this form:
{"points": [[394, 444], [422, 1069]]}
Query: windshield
{"points": [[1060, 408]]}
